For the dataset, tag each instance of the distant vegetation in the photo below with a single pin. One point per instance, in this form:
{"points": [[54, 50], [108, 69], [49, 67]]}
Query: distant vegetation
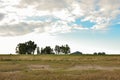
{"points": [[30, 47], [26, 48], [77, 52], [100, 53]]}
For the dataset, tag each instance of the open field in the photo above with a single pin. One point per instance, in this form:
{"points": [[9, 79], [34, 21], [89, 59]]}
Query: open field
{"points": [[59, 67]]}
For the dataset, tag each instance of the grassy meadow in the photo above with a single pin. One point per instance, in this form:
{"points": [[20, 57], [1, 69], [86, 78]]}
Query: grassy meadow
{"points": [[59, 67]]}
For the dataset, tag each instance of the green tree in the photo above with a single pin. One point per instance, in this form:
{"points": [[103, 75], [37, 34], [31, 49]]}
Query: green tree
{"points": [[57, 49], [67, 49], [62, 48], [31, 46], [42, 51], [26, 48], [47, 50], [95, 53], [101, 53], [21, 48], [38, 50]]}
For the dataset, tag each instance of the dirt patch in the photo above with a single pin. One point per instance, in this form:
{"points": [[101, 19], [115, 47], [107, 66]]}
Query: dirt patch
{"points": [[94, 67], [77, 67], [40, 67]]}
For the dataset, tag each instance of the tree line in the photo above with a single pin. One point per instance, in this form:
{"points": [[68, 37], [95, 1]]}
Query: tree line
{"points": [[29, 47]]}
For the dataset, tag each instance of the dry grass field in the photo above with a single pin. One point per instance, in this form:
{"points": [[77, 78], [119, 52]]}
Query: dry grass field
{"points": [[59, 67]]}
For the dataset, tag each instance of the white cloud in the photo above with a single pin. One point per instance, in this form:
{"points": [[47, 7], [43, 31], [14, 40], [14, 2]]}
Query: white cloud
{"points": [[110, 7], [79, 27], [60, 27], [45, 4], [101, 12], [14, 15], [10, 2], [23, 28], [1, 16], [76, 10], [100, 26], [64, 15]]}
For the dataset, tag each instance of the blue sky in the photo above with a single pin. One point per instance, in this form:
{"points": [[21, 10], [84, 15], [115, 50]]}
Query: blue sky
{"points": [[86, 25]]}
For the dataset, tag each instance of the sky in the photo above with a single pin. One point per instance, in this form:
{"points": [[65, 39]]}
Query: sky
{"points": [[85, 25]]}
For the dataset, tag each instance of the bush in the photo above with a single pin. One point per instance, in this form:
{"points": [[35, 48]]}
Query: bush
{"points": [[99, 53]]}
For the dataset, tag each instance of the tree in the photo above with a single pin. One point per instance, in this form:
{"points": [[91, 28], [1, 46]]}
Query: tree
{"points": [[31, 46], [38, 50], [21, 48], [67, 49], [62, 49], [101, 53], [57, 49], [95, 53], [47, 50], [42, 51], [26, 48]]}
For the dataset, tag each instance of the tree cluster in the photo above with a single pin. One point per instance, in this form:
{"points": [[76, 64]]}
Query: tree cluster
{"points": [[62, 49], [46, 50], [26, 48], [30, 47], [65, 49], [99, 53]]}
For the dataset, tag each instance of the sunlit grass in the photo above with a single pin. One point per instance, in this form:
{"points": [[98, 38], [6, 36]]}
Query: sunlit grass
{"points": [[59, 67]]}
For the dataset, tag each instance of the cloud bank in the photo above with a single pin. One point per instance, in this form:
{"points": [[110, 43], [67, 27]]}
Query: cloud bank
{"points": [[20, 17], [1, 16]]}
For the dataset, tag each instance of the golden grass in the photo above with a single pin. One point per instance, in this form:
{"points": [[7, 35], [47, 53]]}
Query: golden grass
{"points": [[59, 67]]}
